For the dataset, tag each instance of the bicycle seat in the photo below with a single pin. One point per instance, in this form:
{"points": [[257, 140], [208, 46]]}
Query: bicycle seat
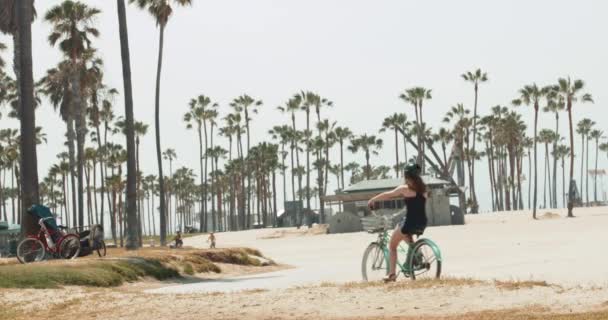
{"points": [[62, 227]]}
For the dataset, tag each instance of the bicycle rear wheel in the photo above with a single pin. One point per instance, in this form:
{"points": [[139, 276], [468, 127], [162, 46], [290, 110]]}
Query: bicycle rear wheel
{"points": [[30, 250], [374, 266], [69, 247], [425, 262]]}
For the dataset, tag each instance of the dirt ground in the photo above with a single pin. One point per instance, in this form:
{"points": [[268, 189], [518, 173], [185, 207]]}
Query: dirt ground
{"points": [[460, 299], [509, 255]]}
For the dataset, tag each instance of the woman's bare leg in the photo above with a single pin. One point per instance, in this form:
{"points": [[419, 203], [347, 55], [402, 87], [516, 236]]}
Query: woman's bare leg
{"points": [[396, 238]]}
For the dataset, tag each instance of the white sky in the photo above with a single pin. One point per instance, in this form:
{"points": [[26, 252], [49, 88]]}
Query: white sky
{"points": [[359, 54]]}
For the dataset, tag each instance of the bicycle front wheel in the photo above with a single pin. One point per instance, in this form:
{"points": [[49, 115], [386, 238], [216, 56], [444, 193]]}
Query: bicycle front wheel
{"points": [[69, 247], [30, 250], [425, 262], [374, 266]]}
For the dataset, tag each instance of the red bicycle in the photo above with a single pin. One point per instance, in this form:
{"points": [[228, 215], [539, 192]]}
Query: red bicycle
{"points": [[58, 244]]}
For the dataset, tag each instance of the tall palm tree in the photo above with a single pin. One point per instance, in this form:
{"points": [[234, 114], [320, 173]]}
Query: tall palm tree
{"points": [[291, 107], [570, 91], [554, 105], [342, 134], [29, 164], [132, 169], [416, 97], [583, 128], [476, 77], [547, 136], [247, 105], [73, 29], [531, 95], [394, 122], [369, 145], [595, 135], [161, 10], [196, 117]]}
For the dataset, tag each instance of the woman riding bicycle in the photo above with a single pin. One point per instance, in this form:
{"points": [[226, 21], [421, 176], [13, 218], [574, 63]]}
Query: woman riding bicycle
{"points": [[414, 222]]}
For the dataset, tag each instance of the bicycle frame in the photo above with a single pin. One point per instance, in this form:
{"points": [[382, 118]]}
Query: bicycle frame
{"points": [[384, 240], [41, 236]]}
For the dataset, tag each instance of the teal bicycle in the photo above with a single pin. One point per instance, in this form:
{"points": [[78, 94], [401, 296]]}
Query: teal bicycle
{"points": [[422, 260]]}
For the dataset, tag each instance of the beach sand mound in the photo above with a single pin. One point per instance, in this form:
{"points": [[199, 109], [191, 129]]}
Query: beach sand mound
{"points": [[316, 229], [549, 215]]}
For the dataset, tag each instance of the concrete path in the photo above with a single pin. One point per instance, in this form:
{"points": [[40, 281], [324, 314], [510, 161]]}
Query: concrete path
{"points": [[508, 246]]}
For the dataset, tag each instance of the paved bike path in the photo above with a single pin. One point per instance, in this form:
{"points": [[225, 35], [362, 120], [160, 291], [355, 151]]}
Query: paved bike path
{"points": [[325, 259]]}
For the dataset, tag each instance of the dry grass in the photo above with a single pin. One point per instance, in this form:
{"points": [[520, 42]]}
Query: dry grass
{"points": [[529, 313], [125, 266], [517, 285], [401, 285]]}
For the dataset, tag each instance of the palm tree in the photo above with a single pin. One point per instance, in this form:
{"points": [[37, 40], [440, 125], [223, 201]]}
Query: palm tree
{"points": [[29, 163], [73, 29], [395, 122], [168, 155], [342, 134], [197, 117], [555, 105], [475, 78], [583, 128], [416, 97], [547, 136], [133, 211], [246, 104], [459, 118], [562, 152], [161, 10], [531, 95], [369, 145], [571, 93], [596, 135], [291, 107]]}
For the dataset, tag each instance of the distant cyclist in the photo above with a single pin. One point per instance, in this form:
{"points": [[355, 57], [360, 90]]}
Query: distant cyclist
{"points": [[415, 221]]}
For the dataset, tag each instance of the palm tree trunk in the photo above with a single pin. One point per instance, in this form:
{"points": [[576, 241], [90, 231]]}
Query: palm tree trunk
{"points": [[582, 188], [72, 164], [102, 176], [586, 170], [205, 184], [570, 189], [134, 227], [396, 153], [200, 158], [213, 181], [595, 173], [563, 182], [545, 177], [29, 160], [308, 144], [535, 161], [529, 178], [161, 178], [555, 160], [342, 163]]}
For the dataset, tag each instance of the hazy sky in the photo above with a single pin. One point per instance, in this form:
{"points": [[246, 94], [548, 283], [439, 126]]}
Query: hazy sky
{"points": [[359, 54]]}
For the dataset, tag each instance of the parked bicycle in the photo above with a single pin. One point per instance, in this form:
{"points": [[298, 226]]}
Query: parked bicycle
{"points": [[51, 240], [421, 260]]}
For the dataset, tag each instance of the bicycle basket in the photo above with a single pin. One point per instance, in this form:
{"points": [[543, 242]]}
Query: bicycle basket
{"points": [[375, 223]]}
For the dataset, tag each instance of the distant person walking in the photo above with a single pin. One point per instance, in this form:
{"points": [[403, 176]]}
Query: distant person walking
{"points": [[414, 222], [211, 240]]}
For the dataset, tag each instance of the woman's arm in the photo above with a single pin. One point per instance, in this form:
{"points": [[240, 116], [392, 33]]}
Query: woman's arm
{"points": [[395, 193]]}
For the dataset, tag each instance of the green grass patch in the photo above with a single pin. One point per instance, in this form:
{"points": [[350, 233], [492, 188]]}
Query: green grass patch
{"points": [[156, 263], [101, 273]]}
